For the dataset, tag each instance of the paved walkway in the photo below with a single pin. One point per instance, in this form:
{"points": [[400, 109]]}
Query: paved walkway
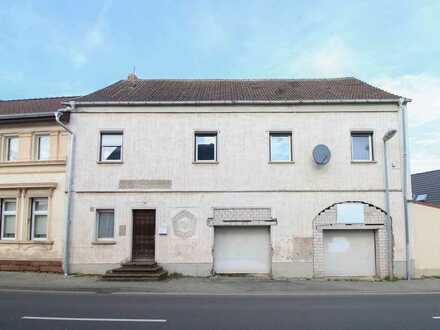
{"points": [[216, 285]]}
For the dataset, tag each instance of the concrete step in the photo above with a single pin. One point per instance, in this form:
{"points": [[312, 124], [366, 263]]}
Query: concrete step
{"points": [[135, 276], [137, 269]]}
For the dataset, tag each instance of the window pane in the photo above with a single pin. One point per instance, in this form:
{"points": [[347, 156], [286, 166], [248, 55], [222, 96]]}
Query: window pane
{"points": [[105, 224], [361, 147], [40, 204], [350, 213], [280, 147], [12, 152], [9, 226], [206, 147], [43, 147], [111, 153], [111, 139], [40, 226], [10, 206]]}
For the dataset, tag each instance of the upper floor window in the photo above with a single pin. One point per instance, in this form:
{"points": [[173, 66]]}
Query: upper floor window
{"points": [[105, 223], [111, 147], [8, 217], [206, 147], [362, 146], [11, 148], [281, 147], [42, 142], [39, 218]]}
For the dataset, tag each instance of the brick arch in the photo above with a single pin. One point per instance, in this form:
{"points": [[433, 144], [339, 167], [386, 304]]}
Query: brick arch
{"points": [[375, 219]]}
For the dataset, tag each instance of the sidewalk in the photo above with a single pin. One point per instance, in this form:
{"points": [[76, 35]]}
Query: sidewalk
{"points": [[216, 285]]}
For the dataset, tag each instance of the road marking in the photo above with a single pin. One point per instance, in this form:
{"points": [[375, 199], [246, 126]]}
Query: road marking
{"points": [[436, 317], [89, 319]]}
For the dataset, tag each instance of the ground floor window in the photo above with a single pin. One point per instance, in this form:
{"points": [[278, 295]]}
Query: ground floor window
{"points": [[8, 218], [105, 223], [39, 218]]}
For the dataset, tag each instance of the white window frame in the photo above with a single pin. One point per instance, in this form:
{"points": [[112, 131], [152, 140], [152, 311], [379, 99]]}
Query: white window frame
{"points": [[105, 239], [196, 151], [8, 147], [275, 133], [371, 147], [111, 132], [5, 213], [38, 148], [34, 213]]}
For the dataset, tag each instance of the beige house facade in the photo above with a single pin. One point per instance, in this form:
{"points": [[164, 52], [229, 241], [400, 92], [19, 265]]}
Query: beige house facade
{"points": [[426, 246], [32, 178], [279, 177]]}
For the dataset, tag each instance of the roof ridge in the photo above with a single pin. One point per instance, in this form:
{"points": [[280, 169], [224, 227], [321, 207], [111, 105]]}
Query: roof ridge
{"points": [[243, 79], [41, 98]]}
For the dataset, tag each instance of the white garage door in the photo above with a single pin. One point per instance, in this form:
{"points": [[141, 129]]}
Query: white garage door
{"points": [[242, 250], [349, 253]]}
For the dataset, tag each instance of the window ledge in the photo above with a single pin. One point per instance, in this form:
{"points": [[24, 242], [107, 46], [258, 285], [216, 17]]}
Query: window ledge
{"points": [[104, 242], [206, 162], [12, 241], [32, 163], [109, 162], [281, 162], [364, 161]]}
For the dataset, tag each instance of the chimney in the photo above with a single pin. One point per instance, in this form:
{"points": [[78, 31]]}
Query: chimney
{"points": [[132, 77]]}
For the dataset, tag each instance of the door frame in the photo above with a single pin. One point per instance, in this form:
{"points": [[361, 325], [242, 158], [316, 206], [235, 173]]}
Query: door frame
{"points": [[132, 229]]}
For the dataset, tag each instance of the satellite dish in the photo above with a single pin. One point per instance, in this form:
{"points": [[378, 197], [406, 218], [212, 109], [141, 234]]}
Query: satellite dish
{"points": [[321, 154]]}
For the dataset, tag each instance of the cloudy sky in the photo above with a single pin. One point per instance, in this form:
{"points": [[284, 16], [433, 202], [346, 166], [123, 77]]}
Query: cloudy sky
{"points": [[51, 48]]}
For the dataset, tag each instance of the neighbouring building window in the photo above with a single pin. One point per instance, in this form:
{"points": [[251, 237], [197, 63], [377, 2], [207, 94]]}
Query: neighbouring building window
{"points": [[280, 147], [111, 147], [105, 223], [8, 217], [206, 147], [362, 146], [39, 218], [42, 147], [12, 148]]}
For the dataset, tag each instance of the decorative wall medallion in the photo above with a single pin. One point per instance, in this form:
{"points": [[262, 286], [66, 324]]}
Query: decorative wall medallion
{"points": [[184, 224]]}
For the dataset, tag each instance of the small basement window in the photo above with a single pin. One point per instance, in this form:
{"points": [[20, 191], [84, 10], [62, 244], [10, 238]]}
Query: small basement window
{"points": [[105, 223], [206, 147]]}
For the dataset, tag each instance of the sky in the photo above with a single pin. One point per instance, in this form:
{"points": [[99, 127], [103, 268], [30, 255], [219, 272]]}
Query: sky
{"points": [[53, 48]]}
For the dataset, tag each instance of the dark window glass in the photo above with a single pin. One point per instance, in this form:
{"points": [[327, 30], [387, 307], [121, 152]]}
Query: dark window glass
{"points": [[206, 146]]}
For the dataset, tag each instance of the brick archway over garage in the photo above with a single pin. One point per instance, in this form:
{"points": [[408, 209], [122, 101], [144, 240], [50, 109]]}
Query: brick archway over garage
{"points": [[374, 219]]}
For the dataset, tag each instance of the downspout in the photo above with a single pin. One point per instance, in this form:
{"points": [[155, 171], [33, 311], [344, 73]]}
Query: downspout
{"points": [[69, 188], [405, 177]]}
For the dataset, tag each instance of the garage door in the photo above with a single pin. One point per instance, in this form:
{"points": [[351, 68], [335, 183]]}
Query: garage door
{"points": [[242, 250], [349, 253]]}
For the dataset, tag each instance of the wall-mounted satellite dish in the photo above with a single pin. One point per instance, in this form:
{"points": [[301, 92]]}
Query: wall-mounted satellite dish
{"points": [[321, 154]]}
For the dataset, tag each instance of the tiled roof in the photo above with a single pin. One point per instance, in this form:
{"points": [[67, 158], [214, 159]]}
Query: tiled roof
{"points": [[239, 90], [32, 106], [427, 183]]}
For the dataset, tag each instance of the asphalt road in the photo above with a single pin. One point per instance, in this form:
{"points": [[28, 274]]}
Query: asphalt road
{"points": [[30, 310]]}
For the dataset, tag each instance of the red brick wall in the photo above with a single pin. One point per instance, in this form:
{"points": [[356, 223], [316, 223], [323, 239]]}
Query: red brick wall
{"points": [[49, 266]]}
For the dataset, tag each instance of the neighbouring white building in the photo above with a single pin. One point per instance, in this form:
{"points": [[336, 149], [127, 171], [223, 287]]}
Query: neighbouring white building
{"points": [[220, 176]]}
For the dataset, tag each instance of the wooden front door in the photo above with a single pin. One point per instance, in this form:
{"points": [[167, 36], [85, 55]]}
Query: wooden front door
{"points": [[144, 228]]}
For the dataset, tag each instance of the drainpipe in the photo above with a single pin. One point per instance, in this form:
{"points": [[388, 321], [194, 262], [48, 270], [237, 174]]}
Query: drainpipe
{"points": [[405, 178], [69, 188], [386, 138]]}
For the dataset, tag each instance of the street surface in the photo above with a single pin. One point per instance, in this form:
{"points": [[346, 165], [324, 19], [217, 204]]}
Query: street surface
{"points": [[69, 310]]}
